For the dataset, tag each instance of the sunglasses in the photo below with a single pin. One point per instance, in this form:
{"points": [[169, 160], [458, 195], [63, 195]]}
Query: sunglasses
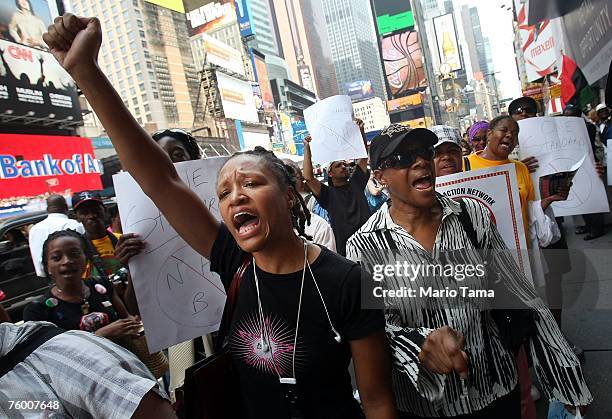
{"points": [[479, 139], [407, 159], [526, 110]]}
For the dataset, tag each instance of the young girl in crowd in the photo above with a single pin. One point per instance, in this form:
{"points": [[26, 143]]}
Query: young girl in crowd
{"points": [[76, 304], [297, 319]]}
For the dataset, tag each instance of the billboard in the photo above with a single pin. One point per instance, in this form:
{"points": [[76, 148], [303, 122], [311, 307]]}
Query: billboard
{"points": [[237, 98], [403, 63], [359, 90], [446, 39], [25, 24], [541, 45], [34, 164], [176, 5], [221, 54], [392, 16], [243, 14], [208, 15], [405, 102], [261, 75], [33, 83]]}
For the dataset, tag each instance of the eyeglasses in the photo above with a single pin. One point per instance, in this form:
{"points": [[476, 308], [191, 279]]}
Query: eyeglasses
{"points": [[407, 159], [479, 139], [525, 110]]}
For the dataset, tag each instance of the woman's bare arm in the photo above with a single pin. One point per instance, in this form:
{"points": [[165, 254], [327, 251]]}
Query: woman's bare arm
{"points": [[75, 42]]}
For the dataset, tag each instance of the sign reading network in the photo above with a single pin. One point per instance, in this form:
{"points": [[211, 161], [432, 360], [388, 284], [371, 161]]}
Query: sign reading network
{"points": [[78, 164]]}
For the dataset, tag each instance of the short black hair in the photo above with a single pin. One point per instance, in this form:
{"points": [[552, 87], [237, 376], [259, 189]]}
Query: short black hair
{"points": [[520, 102], [188, 140], [495, 121], [65, 233], [286, 177]]}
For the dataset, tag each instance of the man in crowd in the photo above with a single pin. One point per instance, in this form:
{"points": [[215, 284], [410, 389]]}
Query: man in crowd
{"points": [[344, 198], [57, 220], [111, 251], [47, 373], [448, 152], [605, 122]]}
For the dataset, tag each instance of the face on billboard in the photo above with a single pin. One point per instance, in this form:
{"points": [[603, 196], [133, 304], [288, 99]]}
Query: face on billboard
{"points": [[25, 21], [403, 62], [206, 15]]}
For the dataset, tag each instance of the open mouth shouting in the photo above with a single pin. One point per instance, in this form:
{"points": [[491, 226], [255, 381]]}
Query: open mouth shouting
{"points": [[506, 145], [246, 222], [423, 183]]}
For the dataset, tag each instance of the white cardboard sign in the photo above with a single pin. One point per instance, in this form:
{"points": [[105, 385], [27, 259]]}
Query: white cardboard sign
{"points": [[335, 136], [496, 188], [179, 298], [559, 143]]}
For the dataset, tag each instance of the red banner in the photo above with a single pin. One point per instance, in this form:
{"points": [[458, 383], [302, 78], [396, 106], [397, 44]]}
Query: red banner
{"points": [[31, 165]]}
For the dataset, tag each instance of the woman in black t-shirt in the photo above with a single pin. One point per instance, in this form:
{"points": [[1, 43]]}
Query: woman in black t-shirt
{"points": [[298, 316], [76, 304]]}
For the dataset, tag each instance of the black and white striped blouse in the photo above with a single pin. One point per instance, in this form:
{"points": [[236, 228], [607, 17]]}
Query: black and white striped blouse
{"points": [[410, 320]]}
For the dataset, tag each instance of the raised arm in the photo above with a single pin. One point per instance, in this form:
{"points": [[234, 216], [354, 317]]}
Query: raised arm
{"points": [[75, 42], [312, 182], [363, 163]]}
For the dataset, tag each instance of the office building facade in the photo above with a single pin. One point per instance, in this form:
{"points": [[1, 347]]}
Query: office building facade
{"points": [[373, 113]]}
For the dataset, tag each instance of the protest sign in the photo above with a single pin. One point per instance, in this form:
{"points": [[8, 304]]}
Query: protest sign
{"points": [[179, 298], [559, 143], [497, 189], [335, 136]]}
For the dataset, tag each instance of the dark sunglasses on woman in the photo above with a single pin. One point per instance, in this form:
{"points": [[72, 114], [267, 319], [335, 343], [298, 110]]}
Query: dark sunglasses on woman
{"points": [[407, 158]]}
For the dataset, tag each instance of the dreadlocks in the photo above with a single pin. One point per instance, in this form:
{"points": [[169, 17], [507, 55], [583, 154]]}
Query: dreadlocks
{"points": [[64, 233], [286, 177]]}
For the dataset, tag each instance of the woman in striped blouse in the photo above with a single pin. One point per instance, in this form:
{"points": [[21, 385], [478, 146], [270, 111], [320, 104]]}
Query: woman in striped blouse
{"points": [[449, 359]]}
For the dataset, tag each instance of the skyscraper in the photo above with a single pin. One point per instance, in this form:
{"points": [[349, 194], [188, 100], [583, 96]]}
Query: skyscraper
{"points": [[147, 57], [354, 49]]}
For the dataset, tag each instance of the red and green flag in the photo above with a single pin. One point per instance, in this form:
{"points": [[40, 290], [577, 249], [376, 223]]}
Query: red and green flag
{"points": [[575, 89]]}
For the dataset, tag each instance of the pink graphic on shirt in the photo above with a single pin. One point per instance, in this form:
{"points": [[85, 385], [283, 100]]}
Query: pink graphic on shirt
{"points": [[246, 344]]}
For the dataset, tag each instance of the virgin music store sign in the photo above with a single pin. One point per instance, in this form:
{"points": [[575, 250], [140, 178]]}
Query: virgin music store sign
{"points": [[34, 164]]}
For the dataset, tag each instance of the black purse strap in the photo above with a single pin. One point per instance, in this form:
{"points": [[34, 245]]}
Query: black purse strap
{"points": [[230, 302], [467, 166], [24, 348]]}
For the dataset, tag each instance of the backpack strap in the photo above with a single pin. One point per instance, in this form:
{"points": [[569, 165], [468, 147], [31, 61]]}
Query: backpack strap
{"points": [[24, 348], [467, 166]]}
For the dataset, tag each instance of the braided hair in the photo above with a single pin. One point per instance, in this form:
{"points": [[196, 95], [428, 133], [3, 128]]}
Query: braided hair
{"points": [[286, 177], [188, 141], [64, 233]]}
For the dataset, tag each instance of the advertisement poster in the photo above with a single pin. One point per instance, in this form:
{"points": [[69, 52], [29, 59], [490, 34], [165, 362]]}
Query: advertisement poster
{"points": [[541, 44], [176, 5], [33, 83], [403, 63], [359, 90], [392, 15], [405, 102], [446, 37], [25, 22], [208, 15], [497, 189], [221, 54], [31, 165], [261, 73], [243, 13], [237, 98]]}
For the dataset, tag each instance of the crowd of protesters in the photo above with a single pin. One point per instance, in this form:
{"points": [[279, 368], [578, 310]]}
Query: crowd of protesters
{"points": [[300, 273]]}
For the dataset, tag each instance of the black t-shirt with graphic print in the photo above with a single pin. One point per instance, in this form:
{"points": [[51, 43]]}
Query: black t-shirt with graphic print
{"points": [[321, 364]]}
